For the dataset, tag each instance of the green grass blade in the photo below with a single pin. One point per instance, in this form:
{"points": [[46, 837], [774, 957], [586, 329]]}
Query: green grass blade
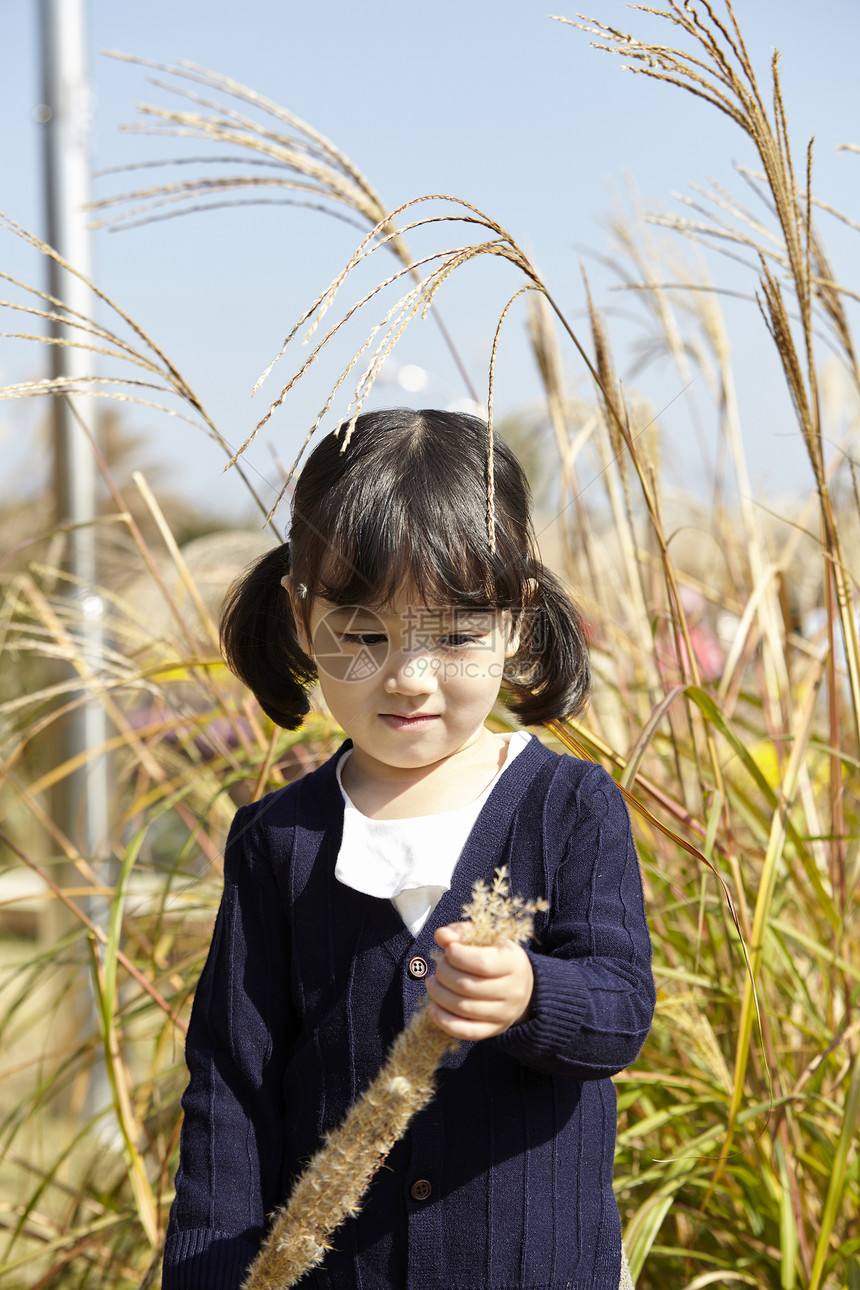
{"points": [[836, 1196]]}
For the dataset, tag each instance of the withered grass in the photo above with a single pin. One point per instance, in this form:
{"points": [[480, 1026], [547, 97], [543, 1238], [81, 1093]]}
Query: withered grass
{"points": [[333, 1185], [737, 1153]]}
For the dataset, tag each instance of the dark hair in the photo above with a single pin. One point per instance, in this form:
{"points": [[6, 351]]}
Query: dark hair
{"points": [[404, 503]]}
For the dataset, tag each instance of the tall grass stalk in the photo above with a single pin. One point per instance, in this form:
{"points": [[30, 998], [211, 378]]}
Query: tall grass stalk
{"points": [[333, 1185], [284, 152]]}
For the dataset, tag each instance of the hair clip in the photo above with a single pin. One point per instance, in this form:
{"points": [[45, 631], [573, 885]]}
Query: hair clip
{"points": [[299, 587]]}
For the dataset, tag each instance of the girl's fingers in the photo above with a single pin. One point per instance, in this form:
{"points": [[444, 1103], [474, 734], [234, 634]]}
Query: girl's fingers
{"points": [[478, 991], [465, 983], [480, 959], [473, 1007], [462, 1027], [447, 935], [483, 960]]}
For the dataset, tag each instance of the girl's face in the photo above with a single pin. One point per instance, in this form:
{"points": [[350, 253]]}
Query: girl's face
{"points": [[410, 685]]}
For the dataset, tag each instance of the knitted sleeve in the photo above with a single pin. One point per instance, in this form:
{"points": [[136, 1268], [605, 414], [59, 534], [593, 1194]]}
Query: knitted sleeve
{"points": [[240, 1029], [594, 993]]}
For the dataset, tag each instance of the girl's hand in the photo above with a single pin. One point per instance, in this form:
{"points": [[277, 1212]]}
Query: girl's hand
{"points": [[478, 990]]}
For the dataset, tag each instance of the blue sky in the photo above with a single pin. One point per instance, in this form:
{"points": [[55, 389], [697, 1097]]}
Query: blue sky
{"points": [[492, 102]]}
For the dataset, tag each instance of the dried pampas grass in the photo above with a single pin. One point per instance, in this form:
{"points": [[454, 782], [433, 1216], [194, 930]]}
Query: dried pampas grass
{"points": [[332, 1187]]}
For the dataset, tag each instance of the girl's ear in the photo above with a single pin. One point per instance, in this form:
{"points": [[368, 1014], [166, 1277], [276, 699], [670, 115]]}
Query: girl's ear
{"points": [[297, 592]]}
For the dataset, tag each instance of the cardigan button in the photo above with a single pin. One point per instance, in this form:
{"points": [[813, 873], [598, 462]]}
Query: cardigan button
{"points": [[417, 968], [420, 1189]]}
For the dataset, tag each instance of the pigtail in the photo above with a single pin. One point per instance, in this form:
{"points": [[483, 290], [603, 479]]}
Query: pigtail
{"points": [[260, 642], [549, 676]]}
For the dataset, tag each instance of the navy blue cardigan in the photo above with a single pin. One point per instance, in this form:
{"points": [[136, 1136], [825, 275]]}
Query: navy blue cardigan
{"points": [[306, 986]]}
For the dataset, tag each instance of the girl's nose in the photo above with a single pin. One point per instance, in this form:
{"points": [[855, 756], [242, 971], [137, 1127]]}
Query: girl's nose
{"points": [[410, 673]]}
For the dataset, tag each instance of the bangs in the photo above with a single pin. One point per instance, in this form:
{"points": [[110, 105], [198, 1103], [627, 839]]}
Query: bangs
{"points": [[404, 506], [401, 509], [435, 573]]}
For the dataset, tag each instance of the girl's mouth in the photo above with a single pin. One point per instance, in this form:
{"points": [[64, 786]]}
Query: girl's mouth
{"points": [[399, 721]]}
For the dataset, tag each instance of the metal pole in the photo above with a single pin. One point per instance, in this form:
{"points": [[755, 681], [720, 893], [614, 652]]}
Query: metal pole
{"points": [[67, 115], [81, 807]]}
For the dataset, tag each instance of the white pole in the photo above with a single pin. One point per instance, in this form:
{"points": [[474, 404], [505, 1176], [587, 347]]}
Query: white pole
{"points": [[66, 111], [81, 808]]}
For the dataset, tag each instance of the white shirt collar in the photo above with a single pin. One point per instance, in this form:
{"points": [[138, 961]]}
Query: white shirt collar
{"points": [[387, 857]]}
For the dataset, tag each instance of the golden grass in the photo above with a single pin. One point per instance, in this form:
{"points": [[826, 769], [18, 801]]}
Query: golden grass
{"points": [[737, 1158], [332, 1187]]}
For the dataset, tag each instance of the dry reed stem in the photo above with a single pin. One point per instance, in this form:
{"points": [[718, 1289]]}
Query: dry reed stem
{"points": [[395, 321], [617, 413], [422, 293], [332, 1186], [808, 274], [45, 249], [340, 170], [491, 485], [764, 898], [545, 349], [721, 382], [97, 686], [374, 241], [727, 81], [401, 313], [143, 549], [150, 356], [304, 152], [97, 932]]}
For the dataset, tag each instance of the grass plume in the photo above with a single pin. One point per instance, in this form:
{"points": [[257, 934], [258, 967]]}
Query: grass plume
{"points": [[332, 1186]]}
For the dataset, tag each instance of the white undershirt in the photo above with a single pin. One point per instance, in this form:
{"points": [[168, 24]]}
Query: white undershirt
{"points": [[410, 861]]}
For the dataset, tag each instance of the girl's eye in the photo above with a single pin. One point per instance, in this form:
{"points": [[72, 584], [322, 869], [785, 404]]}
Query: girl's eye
{"points": [[460, 640], [367, 639]]}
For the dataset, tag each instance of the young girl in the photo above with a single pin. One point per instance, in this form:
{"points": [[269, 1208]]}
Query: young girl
{"points": [[339, 888]]}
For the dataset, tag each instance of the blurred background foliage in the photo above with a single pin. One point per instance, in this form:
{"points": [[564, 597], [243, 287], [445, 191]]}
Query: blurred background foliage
{"points": [[727, 702]]}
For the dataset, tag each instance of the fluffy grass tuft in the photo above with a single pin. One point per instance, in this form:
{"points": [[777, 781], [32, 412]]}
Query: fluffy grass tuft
{"points": [[332, 1186]]}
